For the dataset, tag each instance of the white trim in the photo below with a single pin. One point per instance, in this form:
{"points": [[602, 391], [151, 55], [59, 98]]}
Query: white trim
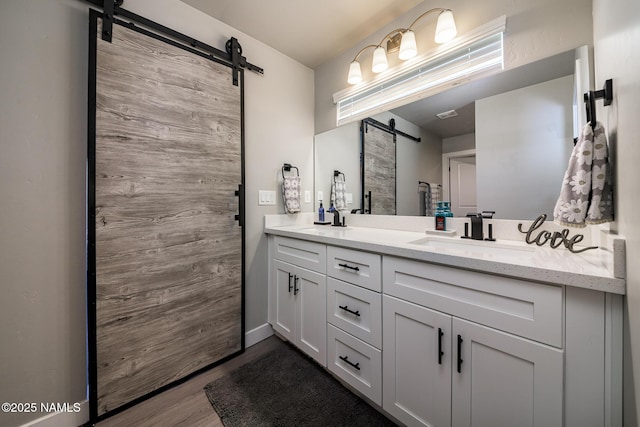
{"points": [[258, 334], [446, 157], [63, 419]]}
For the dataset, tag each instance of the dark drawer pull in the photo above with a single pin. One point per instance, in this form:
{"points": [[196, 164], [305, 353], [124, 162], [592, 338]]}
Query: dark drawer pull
{"points": [[346, 308], [346, 360], [296, 289], [440, 352], [459, 353], [356, 268]]}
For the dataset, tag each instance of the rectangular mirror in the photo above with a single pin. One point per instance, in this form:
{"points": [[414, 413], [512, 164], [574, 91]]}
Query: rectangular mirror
{"points": [[506, 150]]}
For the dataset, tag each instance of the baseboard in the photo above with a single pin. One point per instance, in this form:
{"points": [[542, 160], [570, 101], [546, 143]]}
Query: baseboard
{"points": [[63, 419], [258, 334]]}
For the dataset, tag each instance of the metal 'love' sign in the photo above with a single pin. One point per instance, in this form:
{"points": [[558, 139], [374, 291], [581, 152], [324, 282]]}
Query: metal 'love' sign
{"points": [[555, 239]]}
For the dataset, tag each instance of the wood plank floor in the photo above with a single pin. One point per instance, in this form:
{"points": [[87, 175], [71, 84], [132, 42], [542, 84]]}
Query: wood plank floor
{"points": [[186, 404]]}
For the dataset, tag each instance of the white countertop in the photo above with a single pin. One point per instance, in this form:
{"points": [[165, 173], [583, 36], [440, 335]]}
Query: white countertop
{"points": [[541, 264]]}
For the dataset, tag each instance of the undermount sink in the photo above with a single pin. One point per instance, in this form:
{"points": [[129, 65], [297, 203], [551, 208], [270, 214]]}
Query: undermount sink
{"points": [[475, 247], [322, 229]]}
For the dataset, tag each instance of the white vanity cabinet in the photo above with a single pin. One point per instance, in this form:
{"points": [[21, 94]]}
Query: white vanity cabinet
{"points": [[416, 364], [434, 344], [354, 316], [476, 349], [298, 295]]}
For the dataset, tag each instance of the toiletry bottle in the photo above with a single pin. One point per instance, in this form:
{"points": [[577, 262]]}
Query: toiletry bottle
{"points": [[321, 212], [441, 218]]}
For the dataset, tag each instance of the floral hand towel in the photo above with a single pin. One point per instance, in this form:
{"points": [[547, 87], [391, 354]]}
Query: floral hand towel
{"points": [[338, 189], [291, 194], [586, 196]]}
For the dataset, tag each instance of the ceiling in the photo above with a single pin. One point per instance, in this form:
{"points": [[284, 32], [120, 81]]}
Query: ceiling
{"points": [[309, 31]]}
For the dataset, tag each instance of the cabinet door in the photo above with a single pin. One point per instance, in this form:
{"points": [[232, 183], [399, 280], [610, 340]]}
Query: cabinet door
{"points": [[504, 380], [284, 300], [311, 334], [416, 378]]}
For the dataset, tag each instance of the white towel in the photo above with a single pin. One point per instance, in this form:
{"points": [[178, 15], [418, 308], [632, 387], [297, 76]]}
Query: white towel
{"points": [[338, 188], [435, 197], [291, 194], [586, 196]]}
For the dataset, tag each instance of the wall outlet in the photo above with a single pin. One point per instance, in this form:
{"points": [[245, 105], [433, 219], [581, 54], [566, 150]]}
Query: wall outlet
{"points": [[348, 197], [307, 196], [266, 197]]}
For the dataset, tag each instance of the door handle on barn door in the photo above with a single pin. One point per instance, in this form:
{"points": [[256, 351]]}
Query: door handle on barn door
{"points": [[240, 195]]}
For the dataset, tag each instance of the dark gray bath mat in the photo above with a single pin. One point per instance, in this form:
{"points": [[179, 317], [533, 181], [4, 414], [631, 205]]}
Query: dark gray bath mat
{"points": [[285, 388]]}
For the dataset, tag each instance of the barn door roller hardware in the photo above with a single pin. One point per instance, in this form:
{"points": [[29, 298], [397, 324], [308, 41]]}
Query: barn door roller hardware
{"points": [[109, 8], [232, 55]]}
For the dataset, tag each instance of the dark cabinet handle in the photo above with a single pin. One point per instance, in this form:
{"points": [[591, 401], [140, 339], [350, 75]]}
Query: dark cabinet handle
{"points": [[290, 285], [440, 352], [296, 289], [346, 360], [459, 353], [356, 268], [346, 308]]}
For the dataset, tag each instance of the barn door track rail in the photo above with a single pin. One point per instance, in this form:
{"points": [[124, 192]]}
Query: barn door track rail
{"points": [[232, 55]]}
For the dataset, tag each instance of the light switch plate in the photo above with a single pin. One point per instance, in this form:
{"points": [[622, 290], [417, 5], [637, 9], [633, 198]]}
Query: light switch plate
{"points": [[320, 195], [266, 197], [307, 196], [348, 197]]}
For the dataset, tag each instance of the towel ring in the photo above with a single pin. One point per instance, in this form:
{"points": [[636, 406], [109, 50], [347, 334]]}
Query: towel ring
{"points": [[337, 173], [590, 97], [287, 168]]}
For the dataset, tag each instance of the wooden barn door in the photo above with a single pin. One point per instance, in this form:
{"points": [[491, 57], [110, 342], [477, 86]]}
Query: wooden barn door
{"points": [[166, 276], [379, 170]]}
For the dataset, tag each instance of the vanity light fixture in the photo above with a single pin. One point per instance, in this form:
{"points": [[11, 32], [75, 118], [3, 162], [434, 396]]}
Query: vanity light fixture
{"points": [[469, 56], [406, 38]]}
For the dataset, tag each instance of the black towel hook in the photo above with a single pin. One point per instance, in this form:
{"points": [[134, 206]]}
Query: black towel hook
{"points": [[590, 97]]}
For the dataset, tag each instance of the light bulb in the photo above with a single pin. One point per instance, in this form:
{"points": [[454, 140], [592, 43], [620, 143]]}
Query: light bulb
{"points": [[355, 75], [379, 63], [446, 27], [408, 48]]}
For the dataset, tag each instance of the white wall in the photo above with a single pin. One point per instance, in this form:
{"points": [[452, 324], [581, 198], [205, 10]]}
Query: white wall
{"points": [[617, 56], [524, 139], [459, 143], [535, 30], [43, 81], [338, 149]]}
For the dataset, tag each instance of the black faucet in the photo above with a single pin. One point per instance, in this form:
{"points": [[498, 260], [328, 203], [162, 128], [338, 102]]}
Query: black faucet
{"points": [[336, 218], [476, 227], [477, 232]]}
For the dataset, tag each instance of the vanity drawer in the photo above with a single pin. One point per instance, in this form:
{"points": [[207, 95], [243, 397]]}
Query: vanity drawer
{"points": [[359, 268], [355, 310], [310, 255], [356, 363], [528, 309]]}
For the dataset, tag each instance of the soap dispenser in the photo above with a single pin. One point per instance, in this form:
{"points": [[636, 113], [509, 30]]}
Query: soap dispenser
{"points": [[321, 212]]}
